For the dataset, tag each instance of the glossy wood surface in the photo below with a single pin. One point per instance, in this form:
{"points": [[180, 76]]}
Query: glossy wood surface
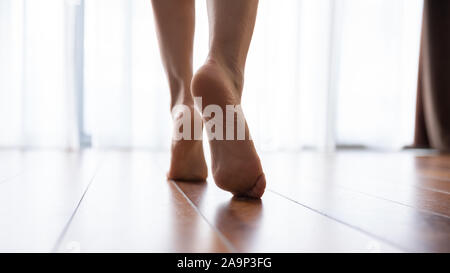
{"points": [[132, 208], [37, 202], [276, 224], [378, 193], [120, 201]]}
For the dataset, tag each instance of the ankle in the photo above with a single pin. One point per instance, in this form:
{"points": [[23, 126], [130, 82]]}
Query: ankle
{"points": [[180, 94], [187, 101], [231, 68]]}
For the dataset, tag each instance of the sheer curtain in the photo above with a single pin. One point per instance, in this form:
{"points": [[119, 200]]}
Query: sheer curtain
{"points": [[320, 73], [36, 94]]}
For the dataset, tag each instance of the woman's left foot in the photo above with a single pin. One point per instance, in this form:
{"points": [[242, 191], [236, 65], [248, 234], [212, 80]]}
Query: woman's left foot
{"points": [[187, 161]]}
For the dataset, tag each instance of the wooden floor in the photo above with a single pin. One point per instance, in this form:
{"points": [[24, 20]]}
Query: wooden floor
{"points": [[352, 201]]}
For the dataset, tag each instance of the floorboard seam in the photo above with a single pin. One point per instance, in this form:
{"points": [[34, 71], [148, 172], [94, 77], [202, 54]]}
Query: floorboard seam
{"points": [[67, 225], [346, 188], [227, 243], [445, 179], [398, 203], [431, 189], [401, 248]]}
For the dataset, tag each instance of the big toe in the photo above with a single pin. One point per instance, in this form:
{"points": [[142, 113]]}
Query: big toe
{"points": [[257, 190]]}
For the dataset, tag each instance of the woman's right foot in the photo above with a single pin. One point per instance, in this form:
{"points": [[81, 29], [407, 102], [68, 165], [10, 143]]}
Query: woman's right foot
{"points": [[236, 166]]}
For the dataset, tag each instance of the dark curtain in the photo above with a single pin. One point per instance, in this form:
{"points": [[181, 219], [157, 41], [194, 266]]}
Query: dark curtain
{"points": [[432, 128]]}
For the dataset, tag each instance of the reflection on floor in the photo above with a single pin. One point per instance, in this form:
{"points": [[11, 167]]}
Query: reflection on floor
{"points": [[350, 201]]}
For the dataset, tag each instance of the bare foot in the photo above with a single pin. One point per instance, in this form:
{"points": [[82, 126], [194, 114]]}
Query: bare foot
{"points": [[187, 161], [235, 164]]}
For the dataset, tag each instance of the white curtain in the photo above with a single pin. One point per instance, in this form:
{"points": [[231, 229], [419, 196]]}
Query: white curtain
{"points": [[36, 97], [319, 73]]}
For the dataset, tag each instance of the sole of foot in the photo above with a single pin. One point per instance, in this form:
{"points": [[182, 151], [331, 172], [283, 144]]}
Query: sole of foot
{"points": [[236, 165]]}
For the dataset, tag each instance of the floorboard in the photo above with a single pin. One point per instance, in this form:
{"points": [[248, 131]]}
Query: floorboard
{"points": [[276, 224], [387, 176], [120, 201], [36, 205], [131, 207], [345, 188]]}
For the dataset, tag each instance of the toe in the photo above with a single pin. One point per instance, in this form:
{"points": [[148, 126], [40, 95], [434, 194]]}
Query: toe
{"points": [[257, 190]]}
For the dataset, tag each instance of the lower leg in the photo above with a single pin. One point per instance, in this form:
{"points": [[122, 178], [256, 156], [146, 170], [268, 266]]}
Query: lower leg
{"points": [[175, 22], [231, 26], [235, 164]]}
